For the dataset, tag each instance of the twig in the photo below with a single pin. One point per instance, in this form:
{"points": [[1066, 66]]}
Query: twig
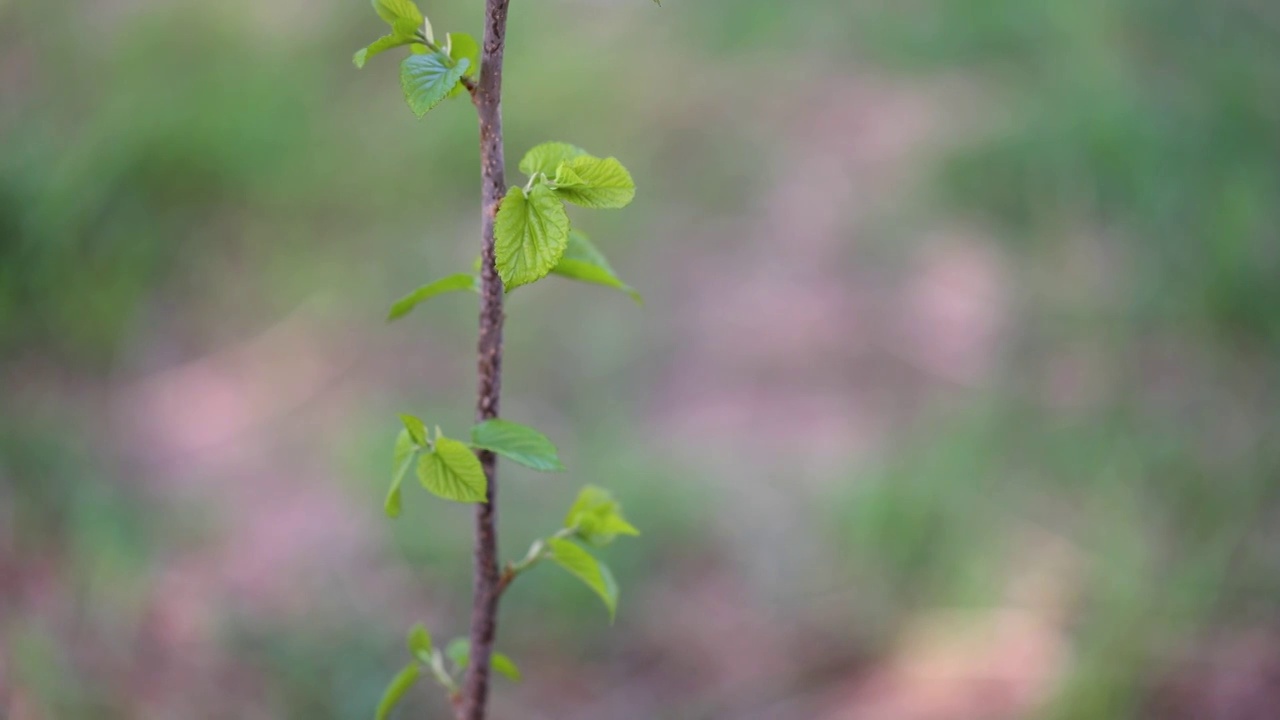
{"points": [[487, 97]]}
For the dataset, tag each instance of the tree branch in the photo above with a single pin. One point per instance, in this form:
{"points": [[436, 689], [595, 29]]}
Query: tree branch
{"points": [[487, 96]]}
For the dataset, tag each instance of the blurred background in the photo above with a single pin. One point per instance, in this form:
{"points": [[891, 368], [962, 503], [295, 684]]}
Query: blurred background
{"points": [[956, 395]]}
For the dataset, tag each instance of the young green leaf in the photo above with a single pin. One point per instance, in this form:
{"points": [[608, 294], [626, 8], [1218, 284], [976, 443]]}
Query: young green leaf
{"points": [[406, 28], [419, 642], [582, 565], [597, 518], [417, 430], [565, 177], [402, 460], [381, 45], [517, 442], [459, 651], [428, 79], [394, 503], [545, 158], [592, 500], [453, 472], [582, 261], [399, 685], [452, 283], [531, 235], [505, 666], [462, 45], [392, 10], [605, 183]]}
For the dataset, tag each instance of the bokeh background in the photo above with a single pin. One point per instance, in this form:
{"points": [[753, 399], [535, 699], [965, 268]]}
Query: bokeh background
{"points": [[955, 396]]}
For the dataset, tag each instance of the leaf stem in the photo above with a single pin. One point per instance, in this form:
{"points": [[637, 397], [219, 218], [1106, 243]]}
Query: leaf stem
{"points": [[442, 675], [537, 552]]}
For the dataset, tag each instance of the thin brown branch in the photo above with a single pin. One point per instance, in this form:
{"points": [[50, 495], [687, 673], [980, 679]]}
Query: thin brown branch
{"points": [[508, 574], [486, 586]]}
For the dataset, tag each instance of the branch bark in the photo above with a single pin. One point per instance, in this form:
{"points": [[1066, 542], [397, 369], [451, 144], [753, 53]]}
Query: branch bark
{"points": [[486, 589]]}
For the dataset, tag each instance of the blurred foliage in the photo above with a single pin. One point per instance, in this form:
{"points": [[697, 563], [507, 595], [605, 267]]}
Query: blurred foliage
{"points": [[1144, 133], [106, 194], [1147, 122]]}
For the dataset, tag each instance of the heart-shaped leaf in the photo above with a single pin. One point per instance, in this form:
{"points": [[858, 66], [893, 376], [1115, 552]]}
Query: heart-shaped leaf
{"points": [[531, 233], [453, 472], [428, 79]]}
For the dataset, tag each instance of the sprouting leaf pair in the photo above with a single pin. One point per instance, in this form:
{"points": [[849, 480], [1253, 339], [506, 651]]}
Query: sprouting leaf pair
{"points": [[596, 519], [532, 233], [533, 237], [425, 656], [432, 72], [449, 468]]}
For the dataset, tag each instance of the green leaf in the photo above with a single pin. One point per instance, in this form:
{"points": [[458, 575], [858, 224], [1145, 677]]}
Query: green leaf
{"points": [[605, 183], [419, 642], [462, 45], [597, 517], [517, 442], [399, 685], [406, 29], [381, 45], [392, 10], [582, 261], [427, 79], [459, 651], [505, 666], [565, 177], [531, 235], [582, 565], [402, 460], [545, 158], [417, 430], [394, 503], [452, 283], [453, 472]]}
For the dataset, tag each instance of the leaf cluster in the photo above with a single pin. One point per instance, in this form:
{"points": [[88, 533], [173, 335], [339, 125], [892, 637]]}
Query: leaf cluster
{"points": [[450, 469], [426, 657], [532, 232], [432, 72]]}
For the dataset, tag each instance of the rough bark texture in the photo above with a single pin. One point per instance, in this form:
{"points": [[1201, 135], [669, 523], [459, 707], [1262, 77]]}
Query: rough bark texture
{"points": [[485, 590]]}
